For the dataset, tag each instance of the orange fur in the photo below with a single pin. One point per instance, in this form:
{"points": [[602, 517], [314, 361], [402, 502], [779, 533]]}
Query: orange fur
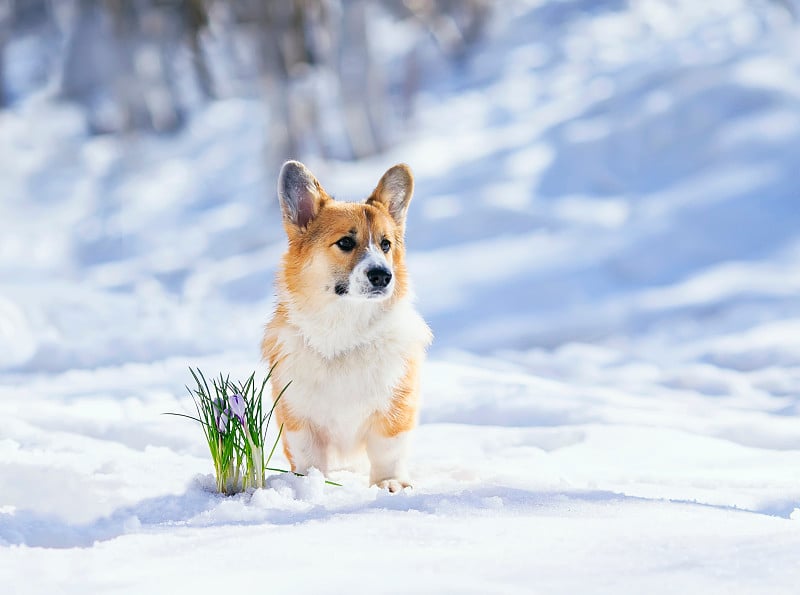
{"points": [[402, 413], [271, 352]]}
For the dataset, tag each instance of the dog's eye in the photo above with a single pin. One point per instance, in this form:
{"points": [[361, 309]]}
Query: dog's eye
{"points": [[385, 245], [346, 243]]}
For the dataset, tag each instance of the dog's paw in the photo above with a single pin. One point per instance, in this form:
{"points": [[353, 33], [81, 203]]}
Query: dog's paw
{"points": [[393, 485]]}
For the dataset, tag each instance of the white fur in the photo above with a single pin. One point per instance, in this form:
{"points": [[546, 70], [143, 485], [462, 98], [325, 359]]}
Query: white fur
{"points": [[387, 456], [308, 450], [344, 360]]}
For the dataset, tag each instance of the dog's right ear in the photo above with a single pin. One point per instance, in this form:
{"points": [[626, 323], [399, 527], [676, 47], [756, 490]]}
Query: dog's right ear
{"points": [[300, 194]]}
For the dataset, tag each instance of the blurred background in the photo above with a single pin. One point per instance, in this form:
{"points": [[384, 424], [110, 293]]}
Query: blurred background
{"points": [[617, 173]]}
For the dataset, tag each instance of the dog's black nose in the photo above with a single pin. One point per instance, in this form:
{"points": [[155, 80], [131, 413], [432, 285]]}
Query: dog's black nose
{"points": [[379, 276]]}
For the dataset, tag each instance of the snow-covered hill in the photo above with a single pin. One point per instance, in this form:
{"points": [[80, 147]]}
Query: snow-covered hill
{"points": [[606, 240]]}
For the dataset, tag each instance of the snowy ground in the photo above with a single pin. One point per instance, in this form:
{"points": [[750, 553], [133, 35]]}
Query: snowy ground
{"points": [[606, 241]]}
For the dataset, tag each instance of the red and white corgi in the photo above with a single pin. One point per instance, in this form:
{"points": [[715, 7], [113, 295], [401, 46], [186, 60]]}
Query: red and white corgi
{"points": [[345, 332]]}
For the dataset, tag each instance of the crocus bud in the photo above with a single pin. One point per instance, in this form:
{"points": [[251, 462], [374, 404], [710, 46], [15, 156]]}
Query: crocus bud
{"points": [[238, 406], [222, 414]]}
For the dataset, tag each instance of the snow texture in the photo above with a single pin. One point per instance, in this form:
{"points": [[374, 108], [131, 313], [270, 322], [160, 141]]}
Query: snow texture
{"points": [[605, 239]]}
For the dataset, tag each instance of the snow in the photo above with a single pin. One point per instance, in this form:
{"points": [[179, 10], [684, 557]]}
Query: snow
{"points": [[605, 239]]}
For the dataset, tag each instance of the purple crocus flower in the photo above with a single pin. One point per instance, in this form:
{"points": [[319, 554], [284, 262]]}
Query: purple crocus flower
{"points": [[237, 405], [222, 415]]}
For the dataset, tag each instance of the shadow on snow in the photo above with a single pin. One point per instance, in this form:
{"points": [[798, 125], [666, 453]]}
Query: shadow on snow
{"points": [[171, 512]]}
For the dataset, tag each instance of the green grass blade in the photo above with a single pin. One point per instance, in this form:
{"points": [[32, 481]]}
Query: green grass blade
{"points": [[274, 445], [332, 483], [200, 421]]}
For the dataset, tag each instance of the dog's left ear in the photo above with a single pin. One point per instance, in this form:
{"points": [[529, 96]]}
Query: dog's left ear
{"points": [[394, 192]]}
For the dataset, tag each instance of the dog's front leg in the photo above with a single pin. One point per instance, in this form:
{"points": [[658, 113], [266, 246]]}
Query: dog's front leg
{"points": [[387, 457], [306, 448]]}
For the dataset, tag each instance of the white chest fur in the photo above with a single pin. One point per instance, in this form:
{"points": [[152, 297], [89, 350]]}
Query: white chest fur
{"points": [[344, 364]]}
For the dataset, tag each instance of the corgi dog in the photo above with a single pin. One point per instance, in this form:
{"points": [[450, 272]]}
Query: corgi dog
{"points": [[344, 332]]}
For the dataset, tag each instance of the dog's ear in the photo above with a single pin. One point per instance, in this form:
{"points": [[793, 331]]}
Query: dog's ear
{"points": [[300, 194], [394, 192]]}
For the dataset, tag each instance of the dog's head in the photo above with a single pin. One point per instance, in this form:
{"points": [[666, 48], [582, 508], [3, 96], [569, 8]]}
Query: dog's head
{"points": [[342, 250]]}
